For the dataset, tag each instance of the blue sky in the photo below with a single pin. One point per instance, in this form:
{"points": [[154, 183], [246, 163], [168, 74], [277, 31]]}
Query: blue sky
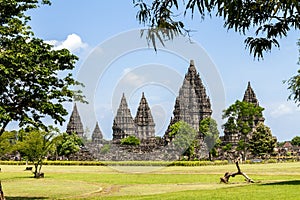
{"points": [[85, 26]]}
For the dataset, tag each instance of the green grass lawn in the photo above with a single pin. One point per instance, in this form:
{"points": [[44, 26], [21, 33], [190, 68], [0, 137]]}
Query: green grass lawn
{"points": [[273, 181]]}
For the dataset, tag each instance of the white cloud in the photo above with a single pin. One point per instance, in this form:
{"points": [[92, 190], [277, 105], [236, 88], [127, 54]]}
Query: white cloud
{"points": [[283, 109], [73, 43], [131, 78]]}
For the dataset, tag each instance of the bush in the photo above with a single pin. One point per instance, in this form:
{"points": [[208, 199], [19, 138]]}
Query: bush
{"points": [[130, 140], [105, 149]]}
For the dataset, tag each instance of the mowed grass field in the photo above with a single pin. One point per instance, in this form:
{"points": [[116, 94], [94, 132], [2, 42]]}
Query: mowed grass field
{"points": [[273, 181]]}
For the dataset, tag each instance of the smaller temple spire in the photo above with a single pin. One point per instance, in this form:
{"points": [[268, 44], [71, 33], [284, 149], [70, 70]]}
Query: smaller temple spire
{"points": [[75, 124], [97, 134], [250, 96], [123, 125], [144, 120]]}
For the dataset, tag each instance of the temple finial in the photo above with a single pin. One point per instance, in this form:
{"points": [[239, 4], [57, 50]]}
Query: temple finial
{"points": [[192, 63]]}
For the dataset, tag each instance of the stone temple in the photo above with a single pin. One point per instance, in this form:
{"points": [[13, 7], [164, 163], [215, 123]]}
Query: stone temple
{"points": [[191, 106], [250, 97], [192, 103], [143, 126], [75, 124]]}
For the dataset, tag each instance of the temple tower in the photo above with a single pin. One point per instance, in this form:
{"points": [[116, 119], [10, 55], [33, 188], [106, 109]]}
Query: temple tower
{"points": [[97, 135], [192, 104], [250, 97], [144, 120], [123, 124], [75, 124]]}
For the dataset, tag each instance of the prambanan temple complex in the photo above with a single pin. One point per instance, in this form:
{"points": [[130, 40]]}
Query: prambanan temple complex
{"points": [[191, 106]]}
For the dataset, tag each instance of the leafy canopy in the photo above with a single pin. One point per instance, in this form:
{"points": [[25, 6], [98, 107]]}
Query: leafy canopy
{"points": [[32, 83], [294, 84], [209, 128], [270, 20], [35, 144], [67, 144], [296, 141], [241, 117], [262, 142], [130, 140], [183, 136]]}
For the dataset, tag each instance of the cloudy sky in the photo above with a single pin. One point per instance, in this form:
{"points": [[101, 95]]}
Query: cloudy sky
{"points": [[112, 60]]}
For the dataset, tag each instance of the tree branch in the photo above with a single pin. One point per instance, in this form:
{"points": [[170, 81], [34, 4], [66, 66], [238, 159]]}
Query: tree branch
{"points": [[227, 175]]}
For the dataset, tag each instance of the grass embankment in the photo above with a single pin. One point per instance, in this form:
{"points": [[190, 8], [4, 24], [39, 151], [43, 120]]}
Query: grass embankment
{"points": [[274, 181]]}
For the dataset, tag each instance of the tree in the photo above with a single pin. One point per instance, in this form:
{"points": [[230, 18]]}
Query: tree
{"points": [[242, 118], [262, 142], [270, 20], [31, 88], [184, 138], [296, 141], [294, 84], [35, 144], [263, 22], [67, 144], [7, 141], [208, 127]]}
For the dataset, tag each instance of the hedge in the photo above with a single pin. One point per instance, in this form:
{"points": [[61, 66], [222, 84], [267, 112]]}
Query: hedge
{"points": [[140, 163]]}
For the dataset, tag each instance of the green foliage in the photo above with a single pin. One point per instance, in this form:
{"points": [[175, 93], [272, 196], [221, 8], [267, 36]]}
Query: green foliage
{"points": [[294, 84], [270, 20], [227, 147], [183, 137], [262, 142], [34, 145], [105, 149], [30, 86], [296, 141], [7, 142], [241, 119], [67, 144], [130, 140], [208, 127]]}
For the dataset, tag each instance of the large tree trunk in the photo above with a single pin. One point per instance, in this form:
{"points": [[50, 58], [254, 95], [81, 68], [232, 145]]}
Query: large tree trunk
{"points": [[227, 175], [1, 192]]}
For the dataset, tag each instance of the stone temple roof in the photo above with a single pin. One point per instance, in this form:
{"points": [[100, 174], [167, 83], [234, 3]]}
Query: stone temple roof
{"points": [[192, 104], [123, 124], [97, 134], [75, 124], [144, 120], [250, 96]]}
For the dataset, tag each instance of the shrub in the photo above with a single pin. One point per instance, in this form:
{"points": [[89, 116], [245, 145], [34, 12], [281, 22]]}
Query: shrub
{"points": [[130, 140], [105, 149]]}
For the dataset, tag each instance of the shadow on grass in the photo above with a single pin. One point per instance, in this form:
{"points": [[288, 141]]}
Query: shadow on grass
{"points": [[24, 198], [292, 182]]}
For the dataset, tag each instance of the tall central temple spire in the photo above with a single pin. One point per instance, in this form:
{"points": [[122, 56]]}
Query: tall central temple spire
{"points": [[192, 104]]}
